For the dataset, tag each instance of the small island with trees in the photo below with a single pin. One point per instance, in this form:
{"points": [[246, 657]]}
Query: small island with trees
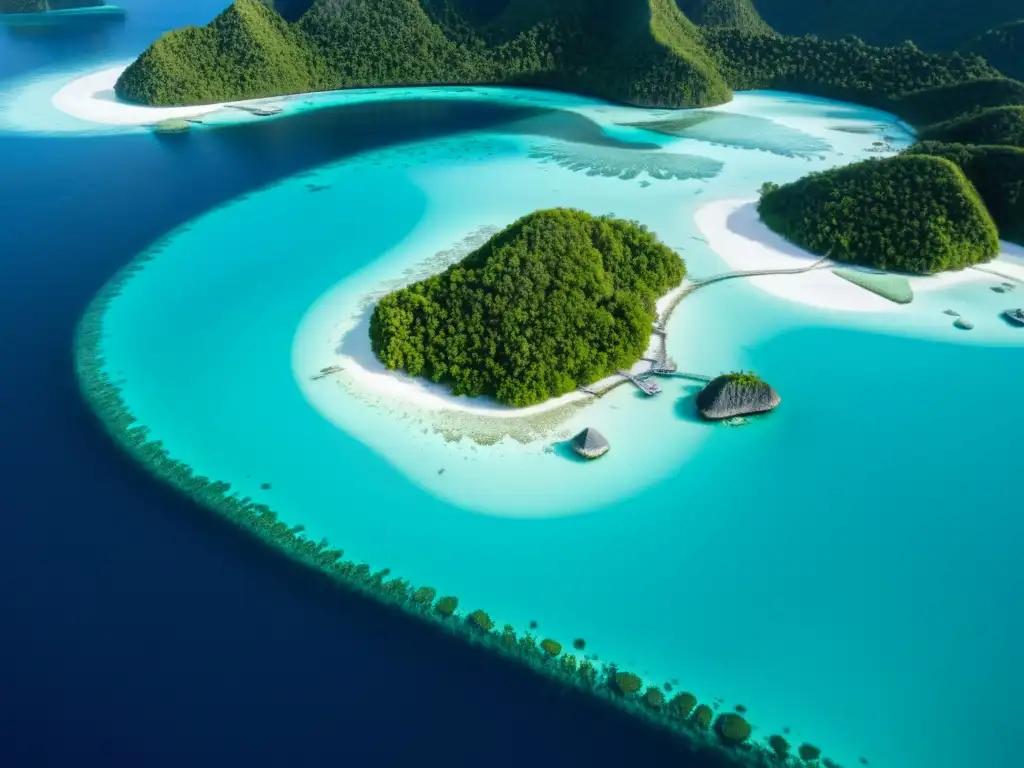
{"points": [[556, 300], [915, 214]]}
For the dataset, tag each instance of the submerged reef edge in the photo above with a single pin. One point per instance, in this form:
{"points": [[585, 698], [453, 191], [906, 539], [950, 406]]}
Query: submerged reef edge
{"points": [[711, 739]]}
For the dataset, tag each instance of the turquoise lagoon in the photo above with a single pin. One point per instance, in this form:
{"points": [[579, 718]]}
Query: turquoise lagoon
{"points": [[846, 567]]}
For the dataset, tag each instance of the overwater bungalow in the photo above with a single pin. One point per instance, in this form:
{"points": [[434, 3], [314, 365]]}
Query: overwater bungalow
{"points": [[590, 444]]}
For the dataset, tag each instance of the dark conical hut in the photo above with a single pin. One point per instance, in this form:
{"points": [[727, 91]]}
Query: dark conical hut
{"points": [[736, 394], [590, 444]]}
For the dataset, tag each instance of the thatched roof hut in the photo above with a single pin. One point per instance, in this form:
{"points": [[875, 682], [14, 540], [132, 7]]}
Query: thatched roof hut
{"points": [[590, 444]]}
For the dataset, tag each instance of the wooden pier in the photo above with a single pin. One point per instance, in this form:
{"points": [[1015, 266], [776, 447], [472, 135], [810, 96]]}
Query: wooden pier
{"points": [[700, 283], [644, 385]]}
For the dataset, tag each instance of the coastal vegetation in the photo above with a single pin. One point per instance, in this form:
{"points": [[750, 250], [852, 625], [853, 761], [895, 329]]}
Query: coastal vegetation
{"points": [[929, 106], [558, 299], [638, 52], [644, 53], [996, 125], [910, 213], [1003, 47], [998, 175], [732, 14], [846, 69], [938, 25]]}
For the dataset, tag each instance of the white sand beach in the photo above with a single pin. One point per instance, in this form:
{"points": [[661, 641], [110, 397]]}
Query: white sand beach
{"points": [[91, 98], [735, 232], [325, 339]]}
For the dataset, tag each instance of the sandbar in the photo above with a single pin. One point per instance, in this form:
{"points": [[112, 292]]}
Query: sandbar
{"points": [[735, 233], [91, 98]]}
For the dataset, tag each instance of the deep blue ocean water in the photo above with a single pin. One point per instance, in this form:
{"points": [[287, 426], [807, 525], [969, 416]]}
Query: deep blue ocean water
{"points": [[218, 659], [137, 631]]}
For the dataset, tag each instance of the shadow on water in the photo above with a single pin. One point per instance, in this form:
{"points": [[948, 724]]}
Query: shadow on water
{"points": [[563, 450], [345, 130], [686, 406]]}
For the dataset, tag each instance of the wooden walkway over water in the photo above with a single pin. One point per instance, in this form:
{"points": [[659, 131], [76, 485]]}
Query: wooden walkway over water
{"points": [[993, 272], [701, 282], [661, 364], [646, 386]]}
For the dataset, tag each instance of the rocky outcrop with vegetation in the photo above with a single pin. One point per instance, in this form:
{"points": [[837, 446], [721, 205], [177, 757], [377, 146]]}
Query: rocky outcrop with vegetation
{"points": [[736, 394]]}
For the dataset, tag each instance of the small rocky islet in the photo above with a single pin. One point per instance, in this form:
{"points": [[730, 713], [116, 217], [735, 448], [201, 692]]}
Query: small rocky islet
{"points": [[735, 395]]}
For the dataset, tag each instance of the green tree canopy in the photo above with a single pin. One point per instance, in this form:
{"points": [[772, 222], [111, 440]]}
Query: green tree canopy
{"points": [[635, 51], [910, 213], [735, 14], [1003, 46], [558, 299], [997, 125], [998, 175]]}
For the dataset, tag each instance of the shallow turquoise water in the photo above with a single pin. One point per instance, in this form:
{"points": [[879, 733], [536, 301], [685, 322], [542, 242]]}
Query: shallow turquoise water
{"points": [[844, 567]]}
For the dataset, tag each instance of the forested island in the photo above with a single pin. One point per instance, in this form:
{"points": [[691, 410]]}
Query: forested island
{"points": [[44, 6], [641, 52], [910, 213], [635, 51], [558, 299]]}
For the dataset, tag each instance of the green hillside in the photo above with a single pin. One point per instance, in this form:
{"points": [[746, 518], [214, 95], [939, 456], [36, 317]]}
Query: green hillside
{"points": [[998, 175], [932, 24], [1003, 46], [733, 14], [910, 213], [946, 102], [247, 51], [842, 69], [558, 299], [641, 52], [997, 125]]}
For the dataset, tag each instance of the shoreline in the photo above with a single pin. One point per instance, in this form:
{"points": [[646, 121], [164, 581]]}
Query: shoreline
{"points": [[529, 649], [342, 349], [735, 233], [91, 98]]}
